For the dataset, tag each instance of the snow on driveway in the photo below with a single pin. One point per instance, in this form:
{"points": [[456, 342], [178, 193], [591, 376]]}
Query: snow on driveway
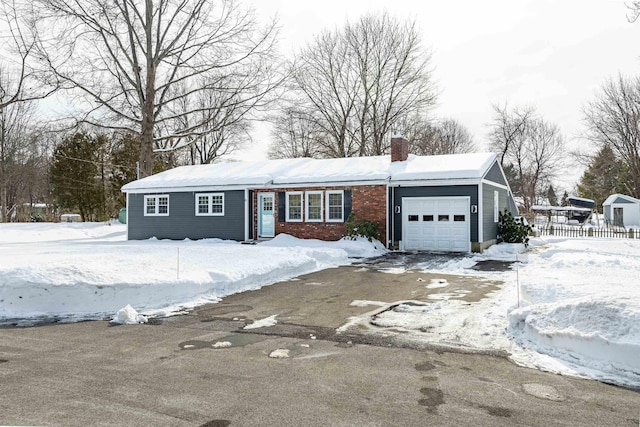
{"points": [[568, 306]]}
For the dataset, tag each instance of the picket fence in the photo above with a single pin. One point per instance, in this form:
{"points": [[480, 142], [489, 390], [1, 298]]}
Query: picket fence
{"points": [[604, 233]]}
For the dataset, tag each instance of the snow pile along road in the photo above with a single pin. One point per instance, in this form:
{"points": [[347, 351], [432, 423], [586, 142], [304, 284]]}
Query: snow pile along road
{"points": [[91, 271], [576, 311], [581, 307]]}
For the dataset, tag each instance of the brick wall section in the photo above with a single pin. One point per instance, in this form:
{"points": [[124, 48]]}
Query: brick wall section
{"points": [[368, 202]]}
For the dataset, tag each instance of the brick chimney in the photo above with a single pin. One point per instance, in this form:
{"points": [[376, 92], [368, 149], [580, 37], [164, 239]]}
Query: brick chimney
{"points": [[399, 148]]}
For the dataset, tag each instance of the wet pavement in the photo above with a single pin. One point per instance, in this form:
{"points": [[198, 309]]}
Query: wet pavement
{"points": [[411, 260], [430, 261]]}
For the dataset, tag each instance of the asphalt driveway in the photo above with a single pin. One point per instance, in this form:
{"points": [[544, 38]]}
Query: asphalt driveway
{"points": [[205, 368]]}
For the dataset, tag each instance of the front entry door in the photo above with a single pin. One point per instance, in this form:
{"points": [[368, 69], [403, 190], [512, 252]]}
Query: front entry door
{"points": [[266, 218]]}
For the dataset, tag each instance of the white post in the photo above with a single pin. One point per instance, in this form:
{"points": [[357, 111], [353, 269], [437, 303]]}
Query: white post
{"points": [[517, 281], [178, 265]]}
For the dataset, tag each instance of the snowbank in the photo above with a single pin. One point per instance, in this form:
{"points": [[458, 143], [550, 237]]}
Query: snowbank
{"points": [[89, 271], [576, 310], [581, 306], [359, 248]]}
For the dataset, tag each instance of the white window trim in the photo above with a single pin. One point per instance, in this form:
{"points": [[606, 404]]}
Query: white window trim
{"points": [[209, 197], [496, 206], [156, 205], [329, 192], [306, 211], [293, 193]]}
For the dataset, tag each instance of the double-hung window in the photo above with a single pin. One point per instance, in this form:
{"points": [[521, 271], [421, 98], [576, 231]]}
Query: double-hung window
{"points": [[335, 206], [156, 205], [313, 206], [210, 204], [496, 206], [294, 206]]}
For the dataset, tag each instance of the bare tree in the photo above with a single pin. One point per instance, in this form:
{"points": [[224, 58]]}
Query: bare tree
{"points": [[447, 136], [225, 118], [20, 81], [133, 62], [530, 151], [634, 10], [324, 77], [22, 159], [358, 82], [294, 135], [509, 129], [613, 118]]}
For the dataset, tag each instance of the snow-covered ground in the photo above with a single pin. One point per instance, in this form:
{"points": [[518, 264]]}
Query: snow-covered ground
{"points": [[75, 271], [568, 306]]}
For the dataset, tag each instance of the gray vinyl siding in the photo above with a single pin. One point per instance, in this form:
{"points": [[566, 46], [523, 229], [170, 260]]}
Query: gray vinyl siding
{"points": [[439, 191], [495, 175], [182, 221], [490, 228], [607, 212]]}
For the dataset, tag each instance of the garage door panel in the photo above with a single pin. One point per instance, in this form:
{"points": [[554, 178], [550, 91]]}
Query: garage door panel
{"points": [[436, 223]]}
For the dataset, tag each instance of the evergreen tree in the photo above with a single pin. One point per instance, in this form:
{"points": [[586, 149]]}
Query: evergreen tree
{"points": [[565, 199], [604, 176], [124, 156], [77, 175], [551, 196]]}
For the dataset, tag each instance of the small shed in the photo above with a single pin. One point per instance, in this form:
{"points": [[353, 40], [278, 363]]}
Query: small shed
{"points": [[70, 218], [622, 210]]}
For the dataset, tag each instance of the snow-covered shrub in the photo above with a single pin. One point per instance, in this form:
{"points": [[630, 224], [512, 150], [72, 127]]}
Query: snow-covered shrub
{"points": [[361, 227], [512, 230]]}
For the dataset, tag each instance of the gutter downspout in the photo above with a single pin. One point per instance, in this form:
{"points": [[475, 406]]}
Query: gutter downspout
{"points": [[127, 218], [387, 219], [393, 214], [480, 215], [246, 214]]}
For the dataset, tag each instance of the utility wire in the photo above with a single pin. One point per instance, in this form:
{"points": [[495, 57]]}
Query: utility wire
{"points": [[94, 162]]}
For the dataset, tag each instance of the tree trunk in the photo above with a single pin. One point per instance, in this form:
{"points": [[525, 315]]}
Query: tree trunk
{"points": [[146, 151]]}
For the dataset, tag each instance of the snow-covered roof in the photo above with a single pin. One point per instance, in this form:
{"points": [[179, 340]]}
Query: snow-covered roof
{"points": [[545, 208], [285, 172], [612, 198], [449, 166], [581, 199]]}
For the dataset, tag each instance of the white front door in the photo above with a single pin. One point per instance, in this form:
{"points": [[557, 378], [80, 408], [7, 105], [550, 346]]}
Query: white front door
{"points": [[266, 215], [436, 224]]}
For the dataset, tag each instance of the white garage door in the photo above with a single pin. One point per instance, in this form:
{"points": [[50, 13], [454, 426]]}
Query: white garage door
{"points": [[436, 224]]}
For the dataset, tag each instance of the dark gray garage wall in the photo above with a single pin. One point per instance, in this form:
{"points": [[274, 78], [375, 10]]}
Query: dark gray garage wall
{"points": [[443, 191], [182, 222], [495, 175], [490, 229]]}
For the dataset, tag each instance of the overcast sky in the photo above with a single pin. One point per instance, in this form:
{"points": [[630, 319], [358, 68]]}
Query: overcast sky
{"points": [[550, 54]]}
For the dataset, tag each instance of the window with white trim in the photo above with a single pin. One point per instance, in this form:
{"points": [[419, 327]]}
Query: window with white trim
{"points": [[335, 206], [294, 206], [156, 205], [496, 206], [313, 206], [210, 204]]}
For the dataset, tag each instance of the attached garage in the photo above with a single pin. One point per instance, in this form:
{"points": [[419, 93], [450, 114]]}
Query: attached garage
{"points": [[436, 224]]}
